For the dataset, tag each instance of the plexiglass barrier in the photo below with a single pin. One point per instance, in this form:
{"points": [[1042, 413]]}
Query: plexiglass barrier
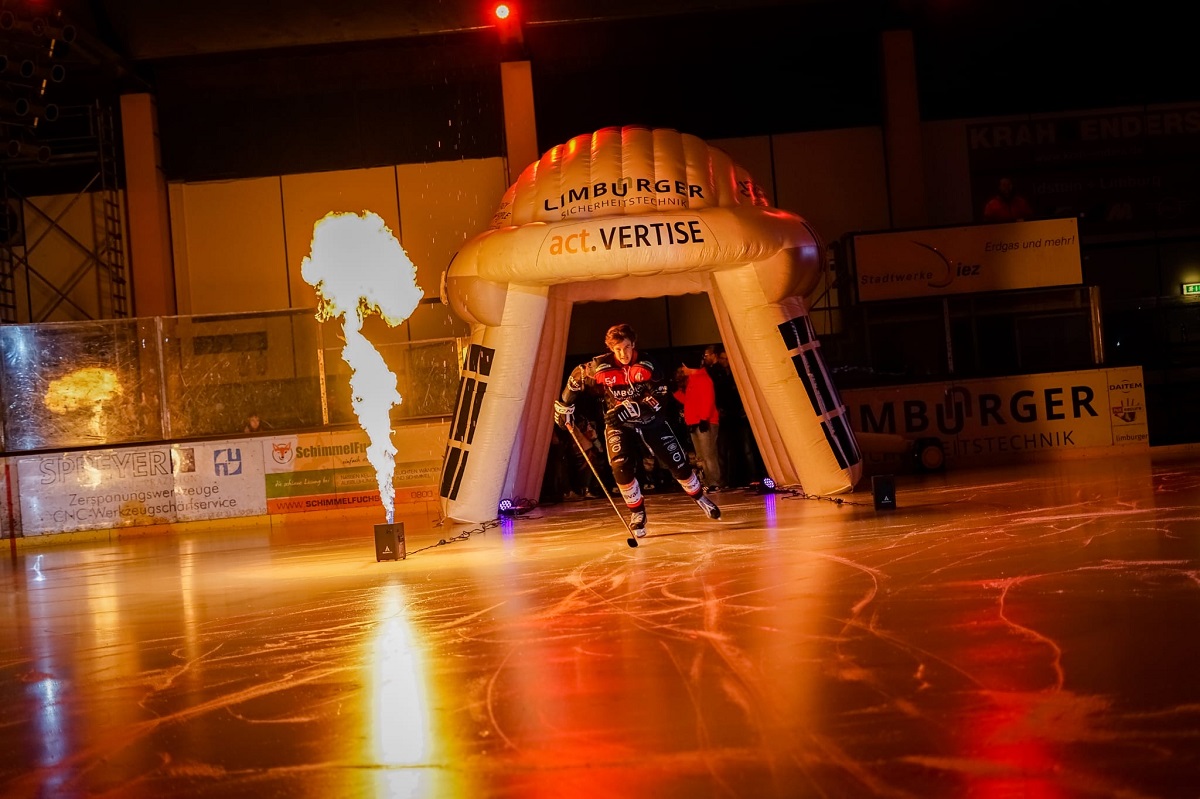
{"points": [[80, 384], [68, 385], [219, 370], [427, 378]]}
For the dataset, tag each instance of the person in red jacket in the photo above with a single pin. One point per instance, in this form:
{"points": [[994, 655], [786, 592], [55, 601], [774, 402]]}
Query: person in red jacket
{"points": [[703, 421], [1006, 205], [634, 393]]}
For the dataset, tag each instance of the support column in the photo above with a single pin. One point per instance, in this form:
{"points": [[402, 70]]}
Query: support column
{"points": [[148, 223], [902, 132], [520, 122]]}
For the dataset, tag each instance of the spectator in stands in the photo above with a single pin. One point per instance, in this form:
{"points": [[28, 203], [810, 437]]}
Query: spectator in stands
{"points": [[1006, 205], [253, 424]]}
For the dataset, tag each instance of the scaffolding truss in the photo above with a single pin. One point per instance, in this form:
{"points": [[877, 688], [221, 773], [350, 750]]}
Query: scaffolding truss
{"points": [[80, 164]]}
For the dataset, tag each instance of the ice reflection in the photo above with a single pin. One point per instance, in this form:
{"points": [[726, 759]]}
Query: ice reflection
{"points": [[51, 726], [45, 701], [401, 727], [187, 596], [769, 508], [1012, 632], [1011, 749]]}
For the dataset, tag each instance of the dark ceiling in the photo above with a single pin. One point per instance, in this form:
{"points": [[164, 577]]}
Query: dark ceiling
{"points": [[229, 75], [131, 37], [118, 44], [225, 71], [149, 30]]}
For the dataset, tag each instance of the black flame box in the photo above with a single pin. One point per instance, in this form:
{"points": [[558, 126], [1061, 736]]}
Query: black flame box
{"points": [[883, 486], [389, 542]]}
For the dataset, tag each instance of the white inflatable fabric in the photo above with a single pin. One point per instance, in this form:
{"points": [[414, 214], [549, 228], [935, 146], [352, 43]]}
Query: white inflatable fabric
{"points": [[635, 212]]}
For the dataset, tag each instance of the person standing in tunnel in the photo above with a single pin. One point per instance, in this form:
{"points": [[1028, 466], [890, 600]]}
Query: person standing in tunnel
{"points": [[634, 394], [740, 460], [703, 423]]}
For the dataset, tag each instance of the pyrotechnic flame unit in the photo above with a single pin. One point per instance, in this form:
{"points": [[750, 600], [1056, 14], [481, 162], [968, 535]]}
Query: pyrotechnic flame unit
{"points": [[358, 268], [883, 489], [389, 542]]}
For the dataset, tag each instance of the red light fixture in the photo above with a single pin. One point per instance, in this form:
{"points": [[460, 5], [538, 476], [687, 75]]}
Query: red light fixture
{"points": [[507, 19]]}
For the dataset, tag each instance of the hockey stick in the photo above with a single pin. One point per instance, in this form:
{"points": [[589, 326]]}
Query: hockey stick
{"points": [[632, 541]]}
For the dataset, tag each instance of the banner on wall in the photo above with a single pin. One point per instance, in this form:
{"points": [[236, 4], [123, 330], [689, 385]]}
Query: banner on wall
{"points": [[1119, 171], [322, 471], [102, 489], [964, 260], [1044, 414]]}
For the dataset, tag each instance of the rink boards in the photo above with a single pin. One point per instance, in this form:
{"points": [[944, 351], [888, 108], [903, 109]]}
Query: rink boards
{"points": [[211, 480], [978, 422]]}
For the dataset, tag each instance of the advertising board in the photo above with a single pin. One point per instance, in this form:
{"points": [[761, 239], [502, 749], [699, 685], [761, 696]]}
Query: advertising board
{"points": [[980, 421], [323, 471], [964, 260], [101, 489]]}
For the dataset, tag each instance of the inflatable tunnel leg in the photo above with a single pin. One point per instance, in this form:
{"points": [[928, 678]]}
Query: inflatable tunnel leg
{"points": [[531, 447], [784, 359], [491, 399]]}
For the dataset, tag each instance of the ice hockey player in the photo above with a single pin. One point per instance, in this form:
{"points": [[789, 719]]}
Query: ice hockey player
{"points": [[633, 393]]}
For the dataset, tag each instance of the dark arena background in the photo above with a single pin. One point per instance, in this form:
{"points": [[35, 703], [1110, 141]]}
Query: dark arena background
{"points": [[234, 566]]}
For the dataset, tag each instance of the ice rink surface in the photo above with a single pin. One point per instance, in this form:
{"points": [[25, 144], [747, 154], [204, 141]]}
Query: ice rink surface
{"points": [[1027, 631]]}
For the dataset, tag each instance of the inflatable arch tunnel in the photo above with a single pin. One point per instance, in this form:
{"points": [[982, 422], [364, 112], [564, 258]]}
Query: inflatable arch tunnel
{"points": [[618, 214]]}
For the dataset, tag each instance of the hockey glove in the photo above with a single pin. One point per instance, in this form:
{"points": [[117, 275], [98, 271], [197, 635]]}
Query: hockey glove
{"points": [[627, 411], [564, 415]]}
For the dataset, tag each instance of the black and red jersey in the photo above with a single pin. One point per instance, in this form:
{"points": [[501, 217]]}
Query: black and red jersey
{"points": [[615, 383]]}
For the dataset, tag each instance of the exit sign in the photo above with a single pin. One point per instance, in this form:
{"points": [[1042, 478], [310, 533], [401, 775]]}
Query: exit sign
{"points": [[1191, 289]]}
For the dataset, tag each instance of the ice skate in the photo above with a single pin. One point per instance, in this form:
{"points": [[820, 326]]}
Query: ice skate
{"points": [[637, 522], [709, 507]]}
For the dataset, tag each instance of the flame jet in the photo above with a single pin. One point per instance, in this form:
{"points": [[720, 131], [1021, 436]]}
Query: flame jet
{"points": [[358, 267]]}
